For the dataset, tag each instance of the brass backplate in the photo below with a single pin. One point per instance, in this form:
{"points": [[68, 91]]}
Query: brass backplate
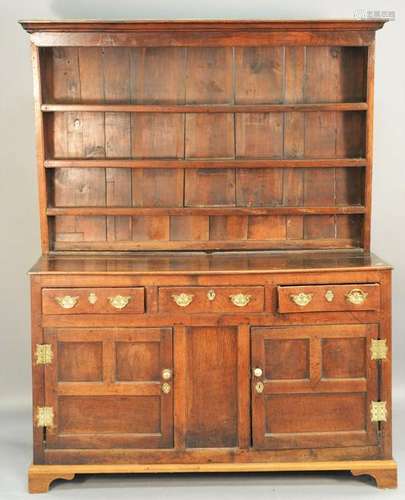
{"points": [[44, 416], [43, 354], [378, 411], [379, 349]]}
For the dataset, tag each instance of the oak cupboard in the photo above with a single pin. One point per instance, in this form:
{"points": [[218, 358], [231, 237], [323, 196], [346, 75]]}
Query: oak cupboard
{"points": [[206, 299]]}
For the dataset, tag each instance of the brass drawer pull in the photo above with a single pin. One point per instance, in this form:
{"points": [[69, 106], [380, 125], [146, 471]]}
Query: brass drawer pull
{"points": [[356, 296], [183, 300], [67, 302], [301, 299], [329, 296], [119, 301], [240, 299]]}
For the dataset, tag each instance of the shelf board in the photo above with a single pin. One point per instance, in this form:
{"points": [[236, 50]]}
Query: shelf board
{"points": [[135, 211], [206, 108], [203, 245], [209, 163]]}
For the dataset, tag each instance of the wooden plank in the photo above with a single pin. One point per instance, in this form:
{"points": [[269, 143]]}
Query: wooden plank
{"points": [[197, 25], [293, 187], [157, 188], [205, 108], [157, 75], [150, 228], [91, 67], [294, 74], [180, 385], [209, 75], [157, 135], [134, 211], [369, 145], [272, 227], [259, 73], [228, 227], [116, 74], [349, 186], [186, 227], [209, 187], [42, 143], [212, 407], [208, 38], [77, 135], [319, 187], [80, 228], [37, 371], [209, 136], [259, 187], [294, 135], [320, 141], [65, 75], [79, 187], [334, 74], [244, 426], [350, 135], [383, 471], [239, 163], [259, 135]]}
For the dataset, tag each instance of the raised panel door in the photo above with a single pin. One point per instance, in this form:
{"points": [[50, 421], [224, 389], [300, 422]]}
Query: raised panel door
{"points": [[312, 386], [105, 387]]}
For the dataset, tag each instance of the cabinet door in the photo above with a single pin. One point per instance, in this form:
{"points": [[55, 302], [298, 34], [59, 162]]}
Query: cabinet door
{"points": [[316, 386], [105, 388]]}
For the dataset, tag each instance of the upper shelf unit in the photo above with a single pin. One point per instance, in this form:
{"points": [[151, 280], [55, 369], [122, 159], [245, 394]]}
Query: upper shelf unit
{"points": [[222, 78], [204, 135]]}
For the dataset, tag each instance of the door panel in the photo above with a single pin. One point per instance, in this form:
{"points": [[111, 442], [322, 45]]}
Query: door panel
{"points": [[104, 386], [318, 383], [211, 387]]}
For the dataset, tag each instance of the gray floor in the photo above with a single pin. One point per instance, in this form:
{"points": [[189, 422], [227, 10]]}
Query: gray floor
{"points": [[15, 453]]}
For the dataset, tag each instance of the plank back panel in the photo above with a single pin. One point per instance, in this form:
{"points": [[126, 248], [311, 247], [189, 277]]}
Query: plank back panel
{"points": [[200, 78]]}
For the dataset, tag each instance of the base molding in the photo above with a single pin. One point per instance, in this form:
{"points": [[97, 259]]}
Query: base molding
{"points": [[383, 471]]}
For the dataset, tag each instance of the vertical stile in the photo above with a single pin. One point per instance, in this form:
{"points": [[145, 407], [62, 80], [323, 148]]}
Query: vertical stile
{"points": [[369, 146], [40, 148]]}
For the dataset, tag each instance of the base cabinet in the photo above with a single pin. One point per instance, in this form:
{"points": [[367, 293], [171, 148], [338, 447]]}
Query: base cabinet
{"points": [[311, 387], [263, 385]]}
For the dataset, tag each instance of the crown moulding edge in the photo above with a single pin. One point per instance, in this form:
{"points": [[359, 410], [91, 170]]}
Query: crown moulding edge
{"points": [[88, 26]]}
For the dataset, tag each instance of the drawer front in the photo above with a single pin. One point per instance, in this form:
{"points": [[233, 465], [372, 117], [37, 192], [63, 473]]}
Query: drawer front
{"points": [[93, 300], [202, 299], [358, 297]]}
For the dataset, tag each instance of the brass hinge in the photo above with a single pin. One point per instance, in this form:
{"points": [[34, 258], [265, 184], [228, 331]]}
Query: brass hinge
{"points": [[379, 349], [378, 411], [44, 416], [43, 354]]}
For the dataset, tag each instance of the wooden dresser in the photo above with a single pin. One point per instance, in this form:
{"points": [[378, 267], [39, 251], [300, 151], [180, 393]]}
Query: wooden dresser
{"points": [[206, 299]]}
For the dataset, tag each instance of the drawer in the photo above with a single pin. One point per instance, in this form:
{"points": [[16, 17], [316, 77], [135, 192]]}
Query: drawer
{"points": [[311, 298], [93, 300], [201, 299]]}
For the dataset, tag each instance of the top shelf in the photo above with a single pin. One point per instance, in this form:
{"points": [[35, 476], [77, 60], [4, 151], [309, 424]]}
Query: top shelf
{"points": [[206, 108]]}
